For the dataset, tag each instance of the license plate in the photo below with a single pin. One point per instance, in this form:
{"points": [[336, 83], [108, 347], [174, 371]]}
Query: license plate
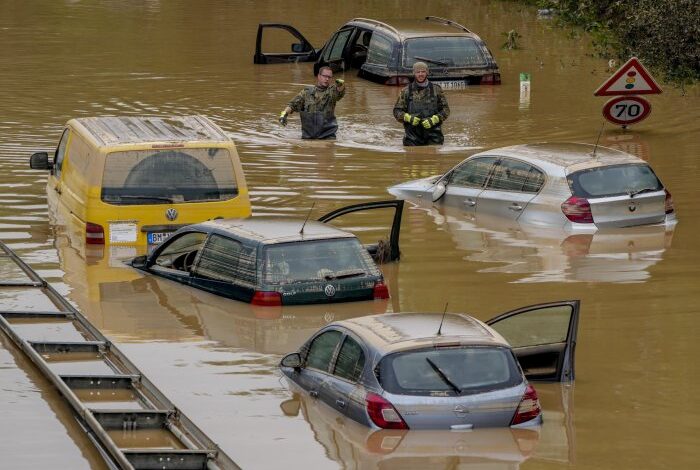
{"points": [[154, 238], [453, 84]]}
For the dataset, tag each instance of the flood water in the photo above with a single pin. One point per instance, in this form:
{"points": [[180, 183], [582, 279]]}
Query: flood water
{"points": [[632, 404]]}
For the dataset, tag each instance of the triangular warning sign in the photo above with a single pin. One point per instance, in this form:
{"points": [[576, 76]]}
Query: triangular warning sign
{"points": [[630, 79]]}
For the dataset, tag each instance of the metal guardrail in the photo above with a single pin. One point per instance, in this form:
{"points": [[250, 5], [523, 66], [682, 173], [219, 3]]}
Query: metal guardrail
{"points": [[190, 448]]}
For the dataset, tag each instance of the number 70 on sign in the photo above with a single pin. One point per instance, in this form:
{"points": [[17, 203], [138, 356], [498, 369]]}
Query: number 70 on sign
{"points": [[626, 110]]}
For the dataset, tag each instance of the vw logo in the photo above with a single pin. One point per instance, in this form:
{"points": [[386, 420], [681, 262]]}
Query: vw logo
{"points": [[171, 214], [632, 207], [329, 290]]}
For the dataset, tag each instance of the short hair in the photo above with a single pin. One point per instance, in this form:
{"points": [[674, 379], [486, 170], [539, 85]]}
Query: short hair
{"points": [[325, 67]]}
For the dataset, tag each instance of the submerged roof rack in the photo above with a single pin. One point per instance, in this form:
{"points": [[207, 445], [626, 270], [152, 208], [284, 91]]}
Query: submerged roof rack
{"points": [[439, 19]]}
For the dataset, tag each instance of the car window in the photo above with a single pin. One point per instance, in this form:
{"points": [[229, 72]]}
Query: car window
{"points": [[613, 180], [225, 259], [449, 51], [316, 260], [380, 49], [60, 152], [168, 176], [321, 350], [514, 175], [341, 40], [181, 252], [473, 172], [438, 370], [351, 360], [546, 325]]}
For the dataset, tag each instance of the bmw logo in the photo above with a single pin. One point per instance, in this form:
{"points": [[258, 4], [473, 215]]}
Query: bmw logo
{"points": [[171, 214], [632, 207], [329, 290]]}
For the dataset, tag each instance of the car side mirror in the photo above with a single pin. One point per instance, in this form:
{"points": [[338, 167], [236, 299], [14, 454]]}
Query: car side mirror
{"points": [[139, 261], [291, 407], [291, 360], [298, 47], [40, 161], [439, 190]]}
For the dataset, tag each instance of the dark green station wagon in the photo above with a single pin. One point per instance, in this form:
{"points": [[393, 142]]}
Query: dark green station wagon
{"points": [[273, 261]]}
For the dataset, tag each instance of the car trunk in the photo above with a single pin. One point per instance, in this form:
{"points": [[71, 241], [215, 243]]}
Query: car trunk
{"points": [[328, 291], [626, 211]]}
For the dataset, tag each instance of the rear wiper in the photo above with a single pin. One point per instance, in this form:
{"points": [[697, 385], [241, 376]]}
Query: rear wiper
{"points": [[152, 198], [344, 274], [639, 191], [443, 376], [432, 61]]}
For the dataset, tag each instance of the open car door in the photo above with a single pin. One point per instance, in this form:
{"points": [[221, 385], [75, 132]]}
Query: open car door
{"points": [[543, 338], [381, 251], [301, 51]]}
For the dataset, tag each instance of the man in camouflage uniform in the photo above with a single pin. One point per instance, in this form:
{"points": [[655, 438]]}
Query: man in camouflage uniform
{"points": [[422, 107], [316, 106]]}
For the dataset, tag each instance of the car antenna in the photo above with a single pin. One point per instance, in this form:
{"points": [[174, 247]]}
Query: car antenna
{"points": [[598, 139], [439, 332], [301, 231]]}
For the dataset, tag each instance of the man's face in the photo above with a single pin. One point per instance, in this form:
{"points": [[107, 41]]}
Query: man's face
{"points": [[420, 75], [324, 77]]}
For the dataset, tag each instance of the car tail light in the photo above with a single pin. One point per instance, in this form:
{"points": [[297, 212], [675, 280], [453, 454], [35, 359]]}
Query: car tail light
{"points": [[669, 203], [94, 234], [491, 79], [397, 80], [577, 209], [383, 413], [529, 407], [381, 291], [267, 298]]}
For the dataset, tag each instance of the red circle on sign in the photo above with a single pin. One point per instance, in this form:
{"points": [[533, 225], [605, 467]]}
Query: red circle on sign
{"points": [[631, 74], [626, 110]]}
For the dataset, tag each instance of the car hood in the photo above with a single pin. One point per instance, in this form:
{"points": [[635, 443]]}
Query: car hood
{"points": [[415, 188]]}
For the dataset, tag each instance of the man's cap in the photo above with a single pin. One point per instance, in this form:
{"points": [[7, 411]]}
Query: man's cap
{"points": [[420, 66]]}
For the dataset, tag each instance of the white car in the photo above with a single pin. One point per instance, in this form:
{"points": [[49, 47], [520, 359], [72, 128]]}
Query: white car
{"points": [[578, 187]]}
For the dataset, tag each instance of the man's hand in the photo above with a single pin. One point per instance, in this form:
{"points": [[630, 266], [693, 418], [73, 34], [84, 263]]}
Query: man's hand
{"points": [[411, 119], [433, 120], [283, 118], [340, 82]]}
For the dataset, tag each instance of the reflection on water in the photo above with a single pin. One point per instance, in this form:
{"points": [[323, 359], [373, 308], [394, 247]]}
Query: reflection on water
{"points": [[217, 358]]}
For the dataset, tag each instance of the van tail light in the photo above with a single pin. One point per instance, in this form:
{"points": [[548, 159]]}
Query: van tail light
{"points": [[397, 80], [383, 413], [94, 234], [267, 298], [669, 203], [529, 407], [491, 79], [381, 291], [577, 209]]}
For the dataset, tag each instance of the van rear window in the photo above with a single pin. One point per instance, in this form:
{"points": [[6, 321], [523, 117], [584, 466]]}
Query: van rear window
{"points": [[168, 176], [448, 51], [613, 181], [458, 371]]}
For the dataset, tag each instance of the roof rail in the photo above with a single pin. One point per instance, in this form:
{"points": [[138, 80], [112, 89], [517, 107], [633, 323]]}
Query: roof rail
{"points": [[378, 23], [438, 19]]}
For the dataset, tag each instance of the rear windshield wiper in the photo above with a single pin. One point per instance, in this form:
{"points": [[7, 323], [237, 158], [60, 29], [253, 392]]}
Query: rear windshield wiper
{"points": [[432, 61], [151, 198], [443, 376], [345, 274], [643, 190]]}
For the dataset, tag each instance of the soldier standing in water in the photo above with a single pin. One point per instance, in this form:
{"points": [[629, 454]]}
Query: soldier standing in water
{"points": [[422, 107], [316, 106]]}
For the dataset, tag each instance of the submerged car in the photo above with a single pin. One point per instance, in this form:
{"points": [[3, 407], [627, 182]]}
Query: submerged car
{"points": [[578, 187], [272, 261], [385, 51], [431, 371]]}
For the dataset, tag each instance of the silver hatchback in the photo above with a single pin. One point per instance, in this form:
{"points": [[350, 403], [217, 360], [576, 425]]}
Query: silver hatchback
{"points": [[429, 371], [577, 187]]}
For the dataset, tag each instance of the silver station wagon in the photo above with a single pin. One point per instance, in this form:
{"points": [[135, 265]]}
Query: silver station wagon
{"points": [[429, 371], [577, 187]]}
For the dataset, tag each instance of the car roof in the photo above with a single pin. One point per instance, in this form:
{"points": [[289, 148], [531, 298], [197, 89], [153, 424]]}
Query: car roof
{"points": [[414, 28], [118, 130], [568, 156], [270, 229], [394, 332]]}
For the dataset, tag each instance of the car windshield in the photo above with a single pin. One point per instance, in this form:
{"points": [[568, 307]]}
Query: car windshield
{"points": [[168, 176], [317, 260], [448, 51], [454, 370], [614, 180]]}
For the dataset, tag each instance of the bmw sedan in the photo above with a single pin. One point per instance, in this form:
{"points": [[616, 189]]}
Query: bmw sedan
{"points": [[577, 187], [433, 371]]}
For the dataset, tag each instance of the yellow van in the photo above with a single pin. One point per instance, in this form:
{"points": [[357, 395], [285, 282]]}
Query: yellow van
{"points": [[134, 180]]}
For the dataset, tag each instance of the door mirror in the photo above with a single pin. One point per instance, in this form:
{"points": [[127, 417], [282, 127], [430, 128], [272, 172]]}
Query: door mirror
{"points": [[439, 190], [291, 407], [40, 161], [291, 360], [298, 47], [139, 262]]}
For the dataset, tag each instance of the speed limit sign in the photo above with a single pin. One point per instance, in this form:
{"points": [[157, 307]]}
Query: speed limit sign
{"points": [[626, 110]]}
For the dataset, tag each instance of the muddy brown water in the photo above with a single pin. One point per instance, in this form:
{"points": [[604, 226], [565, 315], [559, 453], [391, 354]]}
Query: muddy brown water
{"points": [[633, 402]]}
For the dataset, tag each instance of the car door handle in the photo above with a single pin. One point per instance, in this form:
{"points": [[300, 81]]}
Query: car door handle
{"points": [[340, 403], [314, 393], [469, 202], [515, 207]]}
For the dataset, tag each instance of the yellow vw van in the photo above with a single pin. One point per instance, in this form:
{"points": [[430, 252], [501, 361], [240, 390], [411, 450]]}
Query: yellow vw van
{"points": [[131, 180]]}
